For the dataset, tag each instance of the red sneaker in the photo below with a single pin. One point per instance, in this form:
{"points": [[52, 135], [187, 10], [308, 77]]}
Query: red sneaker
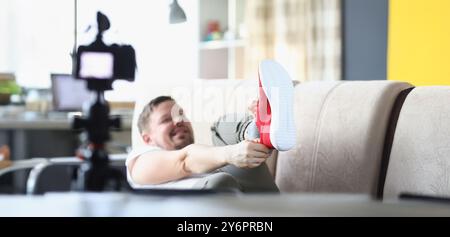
{"points": [[274, 116]]}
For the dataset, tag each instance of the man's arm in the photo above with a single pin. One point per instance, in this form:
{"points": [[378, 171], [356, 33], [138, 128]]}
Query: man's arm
{"points": [[163, 166]]}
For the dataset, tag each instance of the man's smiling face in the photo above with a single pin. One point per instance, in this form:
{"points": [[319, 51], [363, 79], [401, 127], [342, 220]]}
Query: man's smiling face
{"points": [[168, 127]]}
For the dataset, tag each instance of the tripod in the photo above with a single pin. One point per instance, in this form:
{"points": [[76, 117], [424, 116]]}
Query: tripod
{"points": [[111, 62], [97, 174]]}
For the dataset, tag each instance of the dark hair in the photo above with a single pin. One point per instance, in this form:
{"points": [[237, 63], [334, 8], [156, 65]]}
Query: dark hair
{"points": [[144, 118]]}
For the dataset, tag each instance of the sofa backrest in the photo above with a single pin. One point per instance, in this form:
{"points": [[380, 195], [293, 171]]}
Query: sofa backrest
{"points": [[420, 156], [341, 128]]}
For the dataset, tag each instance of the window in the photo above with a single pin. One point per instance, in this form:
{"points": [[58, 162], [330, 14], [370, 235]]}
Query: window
{"points": [[38, 37]]}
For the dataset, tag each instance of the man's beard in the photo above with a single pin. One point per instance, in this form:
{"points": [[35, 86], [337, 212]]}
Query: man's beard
{"points": [[185, 143]]}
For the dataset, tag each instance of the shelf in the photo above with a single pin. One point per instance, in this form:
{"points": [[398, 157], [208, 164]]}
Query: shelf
{"points": [[222, 58], [221, 44]]}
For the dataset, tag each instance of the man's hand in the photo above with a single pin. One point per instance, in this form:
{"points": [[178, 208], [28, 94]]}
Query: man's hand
{"points": [[247, 154], [253, 107]]}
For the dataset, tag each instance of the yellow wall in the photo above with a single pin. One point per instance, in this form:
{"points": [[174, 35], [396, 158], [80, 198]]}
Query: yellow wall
{"points": [[419, 41]]}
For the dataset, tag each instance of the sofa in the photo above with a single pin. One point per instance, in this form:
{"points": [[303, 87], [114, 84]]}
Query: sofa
{"points": [[379, 138]]}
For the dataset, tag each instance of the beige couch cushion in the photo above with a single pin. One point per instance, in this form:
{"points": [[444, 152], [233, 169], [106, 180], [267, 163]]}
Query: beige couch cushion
{"points": [[341, 128], [420, 155]]}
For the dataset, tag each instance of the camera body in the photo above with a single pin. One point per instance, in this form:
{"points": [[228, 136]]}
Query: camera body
{"points": [[101, 64]]}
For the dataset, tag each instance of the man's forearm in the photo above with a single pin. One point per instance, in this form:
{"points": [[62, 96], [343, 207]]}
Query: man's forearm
{"points": [[204, 159], [163, 166]]}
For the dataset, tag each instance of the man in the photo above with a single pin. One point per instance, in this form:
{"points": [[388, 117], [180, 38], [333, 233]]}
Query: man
{"points": [[172, 155]]}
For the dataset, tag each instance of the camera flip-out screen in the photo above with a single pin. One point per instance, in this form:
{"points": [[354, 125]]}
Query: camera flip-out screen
{"points": [[97, 65]]}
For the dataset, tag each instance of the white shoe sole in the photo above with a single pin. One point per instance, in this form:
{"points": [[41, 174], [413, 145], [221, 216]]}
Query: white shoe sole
{"points": [[278, 87]]}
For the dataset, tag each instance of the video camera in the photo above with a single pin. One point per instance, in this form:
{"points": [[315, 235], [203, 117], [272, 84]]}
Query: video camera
{"points": [[101, 64]]}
